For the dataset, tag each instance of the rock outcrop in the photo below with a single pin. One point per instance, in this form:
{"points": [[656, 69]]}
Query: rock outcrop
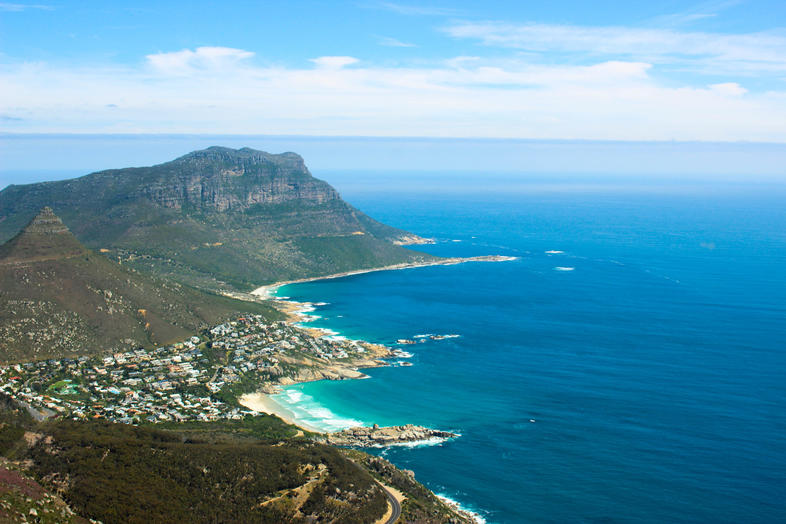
{"points": [[376, 436], [223, 179]]}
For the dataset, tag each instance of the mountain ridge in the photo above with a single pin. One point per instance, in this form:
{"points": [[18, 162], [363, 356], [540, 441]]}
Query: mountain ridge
{"points": [[217, 218]]}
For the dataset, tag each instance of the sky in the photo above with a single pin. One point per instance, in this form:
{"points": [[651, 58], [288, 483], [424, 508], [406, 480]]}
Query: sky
{"points": [[706, 71]]}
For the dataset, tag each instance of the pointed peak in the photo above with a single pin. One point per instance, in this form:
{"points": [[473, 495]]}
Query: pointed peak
{"points": [[46, 222], [44, 238]]}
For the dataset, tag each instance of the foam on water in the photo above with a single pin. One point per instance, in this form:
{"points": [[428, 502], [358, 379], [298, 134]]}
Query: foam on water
{"points": [[561, 268], [477, 517], [306, 409]]}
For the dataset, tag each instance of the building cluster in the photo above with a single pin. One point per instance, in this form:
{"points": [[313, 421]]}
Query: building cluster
{"points": [[191, 380]]}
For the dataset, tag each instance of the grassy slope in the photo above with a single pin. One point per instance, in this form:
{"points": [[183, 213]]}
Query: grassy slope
{"points": [[88, 304], [201, 472]]}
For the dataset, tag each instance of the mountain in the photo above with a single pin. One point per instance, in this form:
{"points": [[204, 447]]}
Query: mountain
{"points": [[44, 238], [58, 298], [216, 218]]}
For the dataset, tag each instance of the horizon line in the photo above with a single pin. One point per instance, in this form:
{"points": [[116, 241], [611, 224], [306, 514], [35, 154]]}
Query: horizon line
{"points": [[18, 135]]}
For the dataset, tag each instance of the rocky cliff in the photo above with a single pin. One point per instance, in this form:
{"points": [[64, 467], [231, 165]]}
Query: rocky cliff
{"points": [[218, 218], [223, 179]]}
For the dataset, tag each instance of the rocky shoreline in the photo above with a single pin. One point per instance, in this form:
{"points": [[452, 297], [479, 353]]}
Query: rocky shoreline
{"points": [[375, 436]]}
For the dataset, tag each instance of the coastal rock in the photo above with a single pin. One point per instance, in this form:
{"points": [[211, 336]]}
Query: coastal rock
{"points": [[385, 436]]}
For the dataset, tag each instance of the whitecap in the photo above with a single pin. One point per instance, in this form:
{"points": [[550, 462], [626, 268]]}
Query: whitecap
{"points": [[554, 252], [560, 268], [474, 515], [304, 408]]}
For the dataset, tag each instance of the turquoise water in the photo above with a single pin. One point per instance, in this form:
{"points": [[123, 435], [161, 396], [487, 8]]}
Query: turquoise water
{"points": [[648, 384]]}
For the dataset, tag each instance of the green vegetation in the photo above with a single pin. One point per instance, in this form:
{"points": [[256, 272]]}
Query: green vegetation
{"points": [[258, 469], [14, 420], [59, 299], [421, 505], [259, 427], [120, 473], [214, 219]]}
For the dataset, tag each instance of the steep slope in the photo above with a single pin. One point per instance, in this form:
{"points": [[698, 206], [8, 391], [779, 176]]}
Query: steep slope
{"points": [[58, 298], [44, 238], [197, 472], [215, 217]]}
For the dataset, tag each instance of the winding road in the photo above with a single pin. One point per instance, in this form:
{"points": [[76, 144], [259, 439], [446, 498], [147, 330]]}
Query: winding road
{"points": [[393, 503]]}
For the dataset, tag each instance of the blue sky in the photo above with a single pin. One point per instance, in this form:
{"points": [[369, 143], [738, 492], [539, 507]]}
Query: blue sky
{"points": [[685, 71]]}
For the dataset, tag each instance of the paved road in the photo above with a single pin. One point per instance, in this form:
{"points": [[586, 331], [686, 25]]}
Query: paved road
{"points": [[393, 503]]}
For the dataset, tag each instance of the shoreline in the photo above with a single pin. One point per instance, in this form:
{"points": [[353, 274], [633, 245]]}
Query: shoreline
{"points": [[267, 291], [264, 403], [297, 314]]}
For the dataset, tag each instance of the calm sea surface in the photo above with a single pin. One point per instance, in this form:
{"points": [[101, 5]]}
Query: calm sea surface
{"points": [[645, 384]]}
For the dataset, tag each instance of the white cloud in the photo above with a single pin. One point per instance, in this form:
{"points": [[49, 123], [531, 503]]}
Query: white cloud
{"points": [[729, 89], [694, 13], [334, 62], [413, 10], [713, 52], [219, 90], [22, 7], [202, 58], [393, 42]]}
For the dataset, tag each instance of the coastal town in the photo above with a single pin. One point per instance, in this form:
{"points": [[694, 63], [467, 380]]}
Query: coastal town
{"points": [[197, 379]]}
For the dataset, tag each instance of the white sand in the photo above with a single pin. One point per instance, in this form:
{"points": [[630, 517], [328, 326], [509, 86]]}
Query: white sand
{"points": [[262, 403]]}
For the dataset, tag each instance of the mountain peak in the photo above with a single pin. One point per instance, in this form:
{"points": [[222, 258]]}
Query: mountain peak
{"points": [[44, 238], [46, 223], [245, 155]]}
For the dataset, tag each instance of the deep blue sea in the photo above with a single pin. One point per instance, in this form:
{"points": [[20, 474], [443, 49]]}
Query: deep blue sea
{"points": [[645, 384]]}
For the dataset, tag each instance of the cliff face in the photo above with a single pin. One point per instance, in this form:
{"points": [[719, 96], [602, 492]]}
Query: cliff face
{"points": [[222, 179], [216, 218]]}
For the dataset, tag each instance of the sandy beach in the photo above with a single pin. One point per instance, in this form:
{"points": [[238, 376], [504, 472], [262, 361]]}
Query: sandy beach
{"points": [[269, 290], [262, 403]]}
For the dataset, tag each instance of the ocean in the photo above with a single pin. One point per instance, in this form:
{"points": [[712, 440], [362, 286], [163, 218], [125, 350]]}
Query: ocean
{"points": [[628, 366]]}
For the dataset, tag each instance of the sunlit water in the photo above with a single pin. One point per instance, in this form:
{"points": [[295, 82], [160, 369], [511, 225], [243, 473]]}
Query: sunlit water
{"points": [[629, 366]]}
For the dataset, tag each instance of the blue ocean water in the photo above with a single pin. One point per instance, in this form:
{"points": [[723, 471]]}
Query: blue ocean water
{"points": [[648, 384]]}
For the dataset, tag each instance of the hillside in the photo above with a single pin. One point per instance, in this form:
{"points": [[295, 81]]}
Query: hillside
{"points": [[252, 470], [57, 298], [215, 218]]}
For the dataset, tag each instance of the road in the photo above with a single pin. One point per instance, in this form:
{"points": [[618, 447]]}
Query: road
{"points": [[393, 503]]}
